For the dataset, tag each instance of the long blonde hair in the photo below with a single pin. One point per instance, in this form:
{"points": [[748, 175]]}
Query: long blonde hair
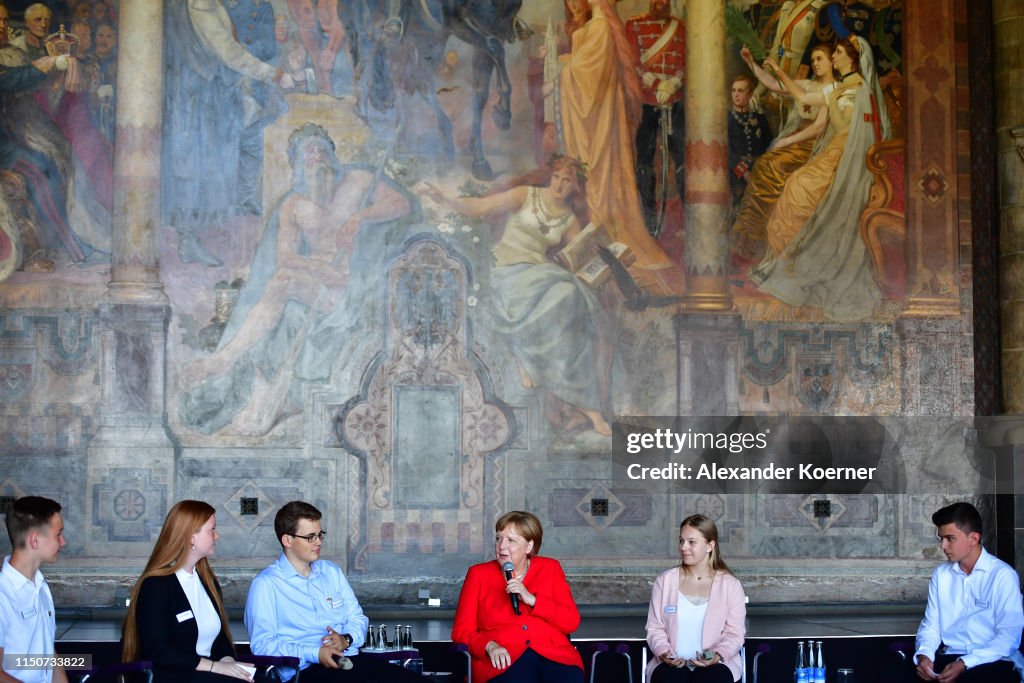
{"points": [[706, 528], [169, 555]]}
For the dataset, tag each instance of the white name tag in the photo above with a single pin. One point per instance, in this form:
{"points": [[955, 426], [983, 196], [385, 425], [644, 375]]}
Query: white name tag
{"points": [[185, 616], [670, 609], [982, 604], [29, 613]]}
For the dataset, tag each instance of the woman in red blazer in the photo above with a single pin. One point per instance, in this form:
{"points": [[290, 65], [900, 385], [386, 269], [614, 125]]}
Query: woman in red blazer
{"points": [[517, 629], [697, 619]]}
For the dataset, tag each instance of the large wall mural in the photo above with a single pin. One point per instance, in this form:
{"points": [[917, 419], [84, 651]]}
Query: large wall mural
{"points": [[451, 108], [434, 249]]}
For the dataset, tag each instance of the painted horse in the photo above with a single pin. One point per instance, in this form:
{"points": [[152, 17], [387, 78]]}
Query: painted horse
{"points": [[403, 42]]}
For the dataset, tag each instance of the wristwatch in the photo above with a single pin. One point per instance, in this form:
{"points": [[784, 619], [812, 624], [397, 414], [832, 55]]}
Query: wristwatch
{"points": [[348, 638]]}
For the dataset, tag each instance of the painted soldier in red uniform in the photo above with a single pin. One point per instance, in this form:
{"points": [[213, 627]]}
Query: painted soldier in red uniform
{"points": [[660, 40]]}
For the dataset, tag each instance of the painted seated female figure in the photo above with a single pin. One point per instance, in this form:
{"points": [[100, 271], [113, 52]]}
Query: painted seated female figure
{"points": [[515, 613], [799, 135], [176, 616], [558, 330], [816, 256], [695, 623]]}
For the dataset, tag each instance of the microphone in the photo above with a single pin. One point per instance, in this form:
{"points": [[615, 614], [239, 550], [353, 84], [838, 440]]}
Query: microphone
{"points": [[509, 573]]}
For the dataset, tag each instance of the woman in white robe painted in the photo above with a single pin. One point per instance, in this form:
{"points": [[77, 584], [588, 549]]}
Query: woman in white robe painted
{"points": [[553, 320], [816, 256]]}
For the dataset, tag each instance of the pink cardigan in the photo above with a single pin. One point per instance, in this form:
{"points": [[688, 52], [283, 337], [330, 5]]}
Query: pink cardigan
{"points": [[724, 622]]}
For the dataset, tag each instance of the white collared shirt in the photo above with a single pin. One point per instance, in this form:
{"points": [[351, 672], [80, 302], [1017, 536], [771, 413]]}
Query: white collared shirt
{"points": [[27, 622], [979, 615]]}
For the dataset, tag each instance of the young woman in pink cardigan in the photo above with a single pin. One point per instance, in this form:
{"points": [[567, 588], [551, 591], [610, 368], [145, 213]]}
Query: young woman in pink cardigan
{"points": [[696, 621]]}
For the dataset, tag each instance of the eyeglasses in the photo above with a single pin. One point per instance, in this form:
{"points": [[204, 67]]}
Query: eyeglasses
{"points": [[309, 538]]}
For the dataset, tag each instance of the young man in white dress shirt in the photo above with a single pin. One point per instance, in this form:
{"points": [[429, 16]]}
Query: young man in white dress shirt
{"points": [[27, 622], [972, 625]]}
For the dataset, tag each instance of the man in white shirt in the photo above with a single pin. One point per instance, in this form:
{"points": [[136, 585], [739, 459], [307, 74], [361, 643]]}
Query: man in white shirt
{"points": [[972, 625], [27, 622]]}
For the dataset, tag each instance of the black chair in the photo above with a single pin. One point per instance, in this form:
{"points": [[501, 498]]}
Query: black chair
{"points": [[762, 649], [462, 648], [145, 669], [900, 648], [270, 662], [622, 649], [119, 671]]}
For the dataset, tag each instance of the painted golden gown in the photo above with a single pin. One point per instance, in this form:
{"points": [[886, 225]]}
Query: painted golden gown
{"points": [[772, 169], [598, 131], [816, 256], [806, 187]]}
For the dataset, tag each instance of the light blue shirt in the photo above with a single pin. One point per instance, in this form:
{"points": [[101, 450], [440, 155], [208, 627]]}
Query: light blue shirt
{"points": [[287, 614], [27, 622], [980, 615]]}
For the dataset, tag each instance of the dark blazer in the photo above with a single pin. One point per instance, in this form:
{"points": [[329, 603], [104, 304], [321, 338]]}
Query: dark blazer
{"points": [[168, 643]]}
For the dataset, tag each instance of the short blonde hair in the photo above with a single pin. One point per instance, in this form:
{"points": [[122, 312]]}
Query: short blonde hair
{"points": [[528, 525]]}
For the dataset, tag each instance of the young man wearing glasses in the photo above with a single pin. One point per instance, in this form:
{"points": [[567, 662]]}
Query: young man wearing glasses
{"points": [[303, 606]]}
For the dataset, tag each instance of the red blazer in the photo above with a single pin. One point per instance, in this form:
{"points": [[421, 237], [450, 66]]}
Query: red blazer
{"points": [[485, 614]]}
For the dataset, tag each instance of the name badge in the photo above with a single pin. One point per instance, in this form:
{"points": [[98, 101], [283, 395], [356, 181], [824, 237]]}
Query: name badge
{"points": [[981, 604], [185, 616], [670, 609], [28, 613], [334, 601]]}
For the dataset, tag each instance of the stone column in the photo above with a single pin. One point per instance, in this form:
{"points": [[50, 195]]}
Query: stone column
{"points": [[130, 477], [707, 154], [135, 274], [1008, 18], [708, 327]]}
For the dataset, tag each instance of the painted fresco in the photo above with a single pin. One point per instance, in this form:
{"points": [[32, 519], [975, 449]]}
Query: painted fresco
{"points": [[386, 294], [819, 219], [59, 67], [306, 144]]}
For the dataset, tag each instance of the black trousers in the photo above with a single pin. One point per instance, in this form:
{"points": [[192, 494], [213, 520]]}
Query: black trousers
{"points": [[993, 672], [532, 668], [192, 677], [719, 673], [647, 136], [364, 670]]}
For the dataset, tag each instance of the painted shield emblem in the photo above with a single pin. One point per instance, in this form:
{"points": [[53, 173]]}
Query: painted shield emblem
{"points": [[817, 381], [17, 374]]}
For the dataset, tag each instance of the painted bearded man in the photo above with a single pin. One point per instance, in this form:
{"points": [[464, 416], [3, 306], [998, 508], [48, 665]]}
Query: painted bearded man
{"points": [[300, 270]]}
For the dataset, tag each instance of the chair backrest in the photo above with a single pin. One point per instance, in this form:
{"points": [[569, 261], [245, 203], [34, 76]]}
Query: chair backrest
{"points": [[120, 670], [271, 662]]}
